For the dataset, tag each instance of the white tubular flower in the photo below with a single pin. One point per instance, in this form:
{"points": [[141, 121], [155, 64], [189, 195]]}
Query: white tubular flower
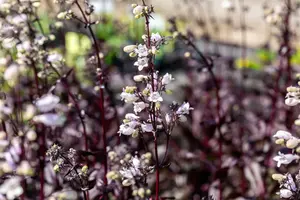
{"points": [[142, 62], [29, 112], [184, 109], [291, 101], [12, 187], [156, 38], [126, 129], [31, 135], [138, 10], [147, 127], [283, 135], [168, 118], [54, 58], [11, 74], [128, 182], [139, 106], [182, 118], [128, 97], [129, 48], [155, 97], [25, 169], [131, 117], [167, 78], [130, 125], [285, 158], [290, 183], [278, 177], [50, 119], [47, 102], [292, 143], [141, 50], [154, 50], [4, 109], [285, 193], [136, 162], [139, 78]]}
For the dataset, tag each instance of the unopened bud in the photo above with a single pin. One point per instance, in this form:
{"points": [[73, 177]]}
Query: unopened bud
{"points": [[279, 141], [292, 143], [278, 177], [129, 48], [187, 54], [84, 169], [56, 168]]}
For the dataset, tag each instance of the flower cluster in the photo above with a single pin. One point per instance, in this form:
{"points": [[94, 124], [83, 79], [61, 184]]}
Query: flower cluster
{"points": [[149, 97], [130, 170], [65, 162], [293, 96], [288, 186]]}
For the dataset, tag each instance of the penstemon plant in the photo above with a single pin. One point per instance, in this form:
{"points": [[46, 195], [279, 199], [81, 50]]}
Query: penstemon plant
{"points": [[289, 182], [147, 95]]}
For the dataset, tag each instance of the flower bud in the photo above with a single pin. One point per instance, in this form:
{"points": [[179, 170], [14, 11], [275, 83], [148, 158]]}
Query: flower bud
{"points": [[138, 10], [130, 89], [129, 48], [36, 4], [291, 89], [127, 182], [132, 54], [169, 92], [292, 143], [137, 16], [31, 135], [148, 192], [141, 192], [84, 169], [110, 174], [112, 155], [62, 15], [175, 34], [279, 141], [135, 134], [146, 92], [285, 193], [139, 78], [134, 193], [187, 54], [291, 101], [148, 155], [297, 122], [157, 105], [127, 156], [278, 177], [56, 168]]}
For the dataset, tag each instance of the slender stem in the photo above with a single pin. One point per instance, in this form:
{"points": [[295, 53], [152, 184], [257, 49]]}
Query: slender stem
{"points": [[85, 193], [81, 118], [218, 126], [209, 66], [157, 171], [166, 151], [285, 58], [42, 139], [152, 71], [101, 100]]}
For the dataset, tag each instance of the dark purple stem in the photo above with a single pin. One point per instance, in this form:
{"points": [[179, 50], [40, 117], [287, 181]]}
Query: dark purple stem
{"points": [[101, 100]]}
